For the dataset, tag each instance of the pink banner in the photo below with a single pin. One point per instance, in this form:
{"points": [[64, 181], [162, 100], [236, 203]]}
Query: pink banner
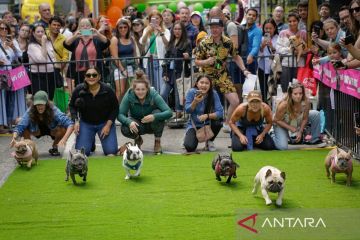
{"points": [[346, 81], [18, 77]]}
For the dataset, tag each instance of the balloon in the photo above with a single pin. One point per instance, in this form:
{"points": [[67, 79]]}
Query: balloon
{"points": [[233, 7], [198, 7], [114, 13], [208, 5], [118, 3], [161, 7], [172, 6], [141, 7]]}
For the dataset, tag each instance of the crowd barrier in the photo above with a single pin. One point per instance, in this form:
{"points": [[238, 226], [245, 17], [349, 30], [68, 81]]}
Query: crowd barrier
{"points": [[339, 111]]}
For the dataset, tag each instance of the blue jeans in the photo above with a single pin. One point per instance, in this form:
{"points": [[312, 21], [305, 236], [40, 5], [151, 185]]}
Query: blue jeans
{"points": [[86, 138], [281, 134], [165, 92], [155, 76]]}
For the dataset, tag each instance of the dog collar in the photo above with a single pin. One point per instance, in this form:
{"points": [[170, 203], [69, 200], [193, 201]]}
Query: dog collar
{"points": [[133, 167]]}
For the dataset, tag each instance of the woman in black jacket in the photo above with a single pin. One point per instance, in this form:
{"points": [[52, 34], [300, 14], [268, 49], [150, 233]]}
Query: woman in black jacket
{"points": [[179, 47]]}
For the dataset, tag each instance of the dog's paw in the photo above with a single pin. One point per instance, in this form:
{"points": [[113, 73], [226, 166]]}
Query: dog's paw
{"points": [[279, 202], [127, 177], [268, 202]]}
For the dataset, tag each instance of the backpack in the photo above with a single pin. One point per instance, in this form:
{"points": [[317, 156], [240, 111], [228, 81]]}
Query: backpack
{"points": [[243, 39]]}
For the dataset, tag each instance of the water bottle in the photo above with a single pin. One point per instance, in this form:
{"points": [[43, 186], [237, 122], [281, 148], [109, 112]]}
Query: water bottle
{"points": [[279, 92]]}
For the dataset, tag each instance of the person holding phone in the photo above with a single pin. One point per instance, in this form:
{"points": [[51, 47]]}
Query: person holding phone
{"points": [[94, 108], [333, 55], [204, 106], [12, 103], [267, 49], [155, 38], [86, 45]]}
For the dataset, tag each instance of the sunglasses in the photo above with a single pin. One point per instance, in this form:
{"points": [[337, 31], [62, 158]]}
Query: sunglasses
{"points": [[3, 28], [122, 27], [136, 24], [356, 9], [91, 75]]}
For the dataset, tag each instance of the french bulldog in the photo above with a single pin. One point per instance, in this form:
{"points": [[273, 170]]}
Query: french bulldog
{"points": [[339, 161], [272, 180], [76, 163], [26, 153], [298, 44], [224, 165], [132, 160]]}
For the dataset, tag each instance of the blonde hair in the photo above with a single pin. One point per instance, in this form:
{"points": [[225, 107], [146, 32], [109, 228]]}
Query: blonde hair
{"points": [[156, 12]]}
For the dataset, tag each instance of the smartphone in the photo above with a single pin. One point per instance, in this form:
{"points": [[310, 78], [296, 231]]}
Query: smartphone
{"points": [[153, 21], [267, 36], [357, 120], [8, 38], [317, 29], [349, 39], [198, 92], [86, 32], [338, 64]]}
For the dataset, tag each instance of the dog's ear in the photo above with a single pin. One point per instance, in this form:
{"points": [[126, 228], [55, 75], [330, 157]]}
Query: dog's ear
{"points": [[129, 144], [268, 173], [82, 150], [282, 174]]}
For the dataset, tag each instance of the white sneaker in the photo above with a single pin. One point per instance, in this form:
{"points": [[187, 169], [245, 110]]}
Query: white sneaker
{"points": [[210, 146], [226, 128]]}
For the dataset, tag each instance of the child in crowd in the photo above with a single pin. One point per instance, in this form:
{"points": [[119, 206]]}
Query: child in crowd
{"points": [[333, 55]]}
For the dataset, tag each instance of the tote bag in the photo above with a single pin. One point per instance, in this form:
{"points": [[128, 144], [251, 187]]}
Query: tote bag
{"points": [[305, 76]]}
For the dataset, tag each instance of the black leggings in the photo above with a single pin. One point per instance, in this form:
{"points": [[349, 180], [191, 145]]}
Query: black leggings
{"points": [[191, 142]]}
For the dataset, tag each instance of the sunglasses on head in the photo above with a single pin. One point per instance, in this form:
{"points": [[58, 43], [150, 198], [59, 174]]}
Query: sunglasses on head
{"points": [[91, 75], [355, 9]]}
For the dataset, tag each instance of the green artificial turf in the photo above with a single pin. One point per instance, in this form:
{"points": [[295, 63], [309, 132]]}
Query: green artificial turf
{"points": [[176, 197]]}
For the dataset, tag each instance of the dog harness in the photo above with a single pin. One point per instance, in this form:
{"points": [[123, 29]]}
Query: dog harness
{"points": [[133, 167]]}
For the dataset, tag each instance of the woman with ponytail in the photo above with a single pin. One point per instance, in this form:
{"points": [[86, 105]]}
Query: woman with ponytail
{"points": [[94, 108], [147, 109]]}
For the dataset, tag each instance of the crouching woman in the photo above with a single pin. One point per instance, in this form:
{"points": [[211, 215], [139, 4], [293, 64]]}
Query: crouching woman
{"points": [[148, 112], [248, 127], [43, 118], [204, 106]]}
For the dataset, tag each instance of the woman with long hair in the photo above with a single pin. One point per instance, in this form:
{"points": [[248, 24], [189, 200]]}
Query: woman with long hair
{"points": [[292, 116], [94, 108], [86, 45], [155, 39], [267, 49], [204, 106], [197, 21], [143, 111], [12, 103], [123, 46], [169, 18], [43, 118], [137, 28], [179, 47]]}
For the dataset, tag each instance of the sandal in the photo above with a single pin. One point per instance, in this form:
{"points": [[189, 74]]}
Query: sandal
{"points": [[54, 152]]}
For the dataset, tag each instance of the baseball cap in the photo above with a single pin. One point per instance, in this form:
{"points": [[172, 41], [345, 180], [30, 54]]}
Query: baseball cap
{"points": [[216, 21], [195, 13], [254, 95], [40, 97]]}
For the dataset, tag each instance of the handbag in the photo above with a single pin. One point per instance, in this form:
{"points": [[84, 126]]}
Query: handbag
{"points": [[183, 84], [204, 133], [305, 76]]}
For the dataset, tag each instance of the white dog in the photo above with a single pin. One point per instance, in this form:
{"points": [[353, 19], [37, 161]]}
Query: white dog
{"points": [[271, 180], [132, 160]]}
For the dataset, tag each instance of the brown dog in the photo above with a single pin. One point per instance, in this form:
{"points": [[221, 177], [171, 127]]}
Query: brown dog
{"points": [[298, 44], [339, 161], [26, 153]]}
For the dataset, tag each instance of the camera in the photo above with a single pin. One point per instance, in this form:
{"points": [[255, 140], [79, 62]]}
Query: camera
{"points": [[317, 29], [349, 39], [338, 64]]}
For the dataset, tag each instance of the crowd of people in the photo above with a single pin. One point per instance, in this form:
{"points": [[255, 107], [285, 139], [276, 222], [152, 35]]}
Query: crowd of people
{"points": [[139, 94]]}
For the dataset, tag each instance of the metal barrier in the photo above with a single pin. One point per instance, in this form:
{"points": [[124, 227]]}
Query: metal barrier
{"points": [[339, 120]]}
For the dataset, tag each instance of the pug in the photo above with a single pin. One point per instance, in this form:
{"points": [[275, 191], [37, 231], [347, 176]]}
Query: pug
{"points": [[297, 44], [224, 165], [26, 153], [76, 163], [339, 161], [272, 180], [132, 160]]}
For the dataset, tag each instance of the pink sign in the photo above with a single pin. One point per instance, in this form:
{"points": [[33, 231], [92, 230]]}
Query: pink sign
{"points": [[18, 77], [346, 81]]}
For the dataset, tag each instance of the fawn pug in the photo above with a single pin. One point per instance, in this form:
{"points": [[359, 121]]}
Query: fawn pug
{"points": [[26, 152], [339, 161]]}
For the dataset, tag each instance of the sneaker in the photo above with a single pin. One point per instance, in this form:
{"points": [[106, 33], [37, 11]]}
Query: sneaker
{"points": [[139, 141], [226, 128], [157, 147], [210, 146], [54, 151]]}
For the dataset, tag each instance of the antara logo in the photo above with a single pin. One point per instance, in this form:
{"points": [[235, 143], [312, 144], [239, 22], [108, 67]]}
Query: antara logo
{"points": [[284, 222]]}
